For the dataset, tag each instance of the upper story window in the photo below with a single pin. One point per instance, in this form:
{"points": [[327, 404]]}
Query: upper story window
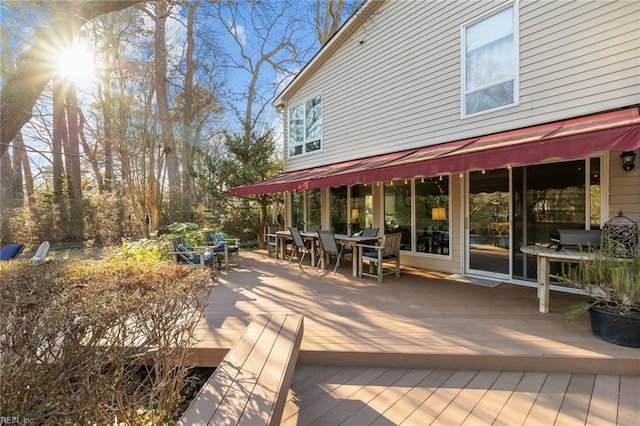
{"points": [[305, 127], [490, 62]]}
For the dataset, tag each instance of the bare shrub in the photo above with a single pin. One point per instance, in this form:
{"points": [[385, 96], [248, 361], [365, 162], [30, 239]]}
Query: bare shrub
{"points": [[97, 342]]}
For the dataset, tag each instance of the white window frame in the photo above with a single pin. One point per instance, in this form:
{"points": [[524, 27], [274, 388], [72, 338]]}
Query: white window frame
{"points": [[305, 140], [516, 55]]}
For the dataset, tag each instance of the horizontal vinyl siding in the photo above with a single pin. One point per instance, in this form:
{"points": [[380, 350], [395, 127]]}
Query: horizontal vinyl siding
{"points": [[576, 61], [624, 189], [400, 88]]}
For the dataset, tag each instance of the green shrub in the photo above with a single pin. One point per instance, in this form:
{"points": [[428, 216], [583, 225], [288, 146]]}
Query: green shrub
{"points": [[142, 250], [97, 342], [612, 281]]}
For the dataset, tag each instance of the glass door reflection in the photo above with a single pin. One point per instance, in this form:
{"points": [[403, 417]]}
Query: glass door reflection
{"points": [[488, 232]]}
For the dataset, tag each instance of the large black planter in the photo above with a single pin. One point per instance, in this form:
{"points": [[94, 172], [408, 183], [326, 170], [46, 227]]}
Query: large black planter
{"points": [[623, 330]]}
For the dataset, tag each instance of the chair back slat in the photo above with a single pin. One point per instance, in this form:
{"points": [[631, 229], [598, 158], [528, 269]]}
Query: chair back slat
{"points": [[328, 242], [391, 244]]}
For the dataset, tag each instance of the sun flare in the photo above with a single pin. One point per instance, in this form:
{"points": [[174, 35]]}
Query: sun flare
{"points": [[77, 64]]}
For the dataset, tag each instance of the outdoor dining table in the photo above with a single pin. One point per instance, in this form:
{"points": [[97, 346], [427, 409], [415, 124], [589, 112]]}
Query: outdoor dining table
{"points": [[344, 239], [544, 257]]}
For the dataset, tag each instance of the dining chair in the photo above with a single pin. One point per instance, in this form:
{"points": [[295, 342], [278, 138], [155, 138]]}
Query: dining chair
{"points": [[329, 247], [387, 250], [370, 232], [272, 240], [299, 244], [366, 232]]}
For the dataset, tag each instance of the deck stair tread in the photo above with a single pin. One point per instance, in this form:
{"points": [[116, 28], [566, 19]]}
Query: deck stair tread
{"points": [[251, 383]]}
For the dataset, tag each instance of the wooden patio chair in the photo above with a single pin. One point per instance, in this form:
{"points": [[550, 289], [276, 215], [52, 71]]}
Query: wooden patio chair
{"points": [[272, 240], [328, 248], [182, 254], [228, 247], [387, 251], [299, 244]]}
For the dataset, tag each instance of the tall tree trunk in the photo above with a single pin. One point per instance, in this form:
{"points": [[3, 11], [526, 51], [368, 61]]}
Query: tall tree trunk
{"points": [[26, 175], [164, 114], [90, 153], [73, 125], [75, 230], [59, 133], [107, 114], [18, 191], [188, 126], [6, 197]]}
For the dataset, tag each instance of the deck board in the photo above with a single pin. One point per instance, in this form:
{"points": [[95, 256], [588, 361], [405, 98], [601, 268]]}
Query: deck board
{"points": [[434, 406], [516, 409], [603, 409], [364, 393], [547, 404], [489, 406], [629, 401], [575, 404], [467, 399]]}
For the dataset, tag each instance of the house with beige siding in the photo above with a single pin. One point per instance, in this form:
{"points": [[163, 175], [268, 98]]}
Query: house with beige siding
{"points": [[472, 127]]}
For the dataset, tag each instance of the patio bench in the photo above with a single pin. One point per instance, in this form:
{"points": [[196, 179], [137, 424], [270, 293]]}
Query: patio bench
{"points": [[251, 383]]}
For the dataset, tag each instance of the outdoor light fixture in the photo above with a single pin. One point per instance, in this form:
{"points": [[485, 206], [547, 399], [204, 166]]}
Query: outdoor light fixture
{"points": [[628, 160]]}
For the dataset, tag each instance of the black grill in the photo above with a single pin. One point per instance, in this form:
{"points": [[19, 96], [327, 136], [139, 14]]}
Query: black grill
{"points": [[575, 238]]}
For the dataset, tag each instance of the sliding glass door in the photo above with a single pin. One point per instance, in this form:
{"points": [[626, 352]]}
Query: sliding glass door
{"points": [[511, 208], [552, 196], [488, 226]]}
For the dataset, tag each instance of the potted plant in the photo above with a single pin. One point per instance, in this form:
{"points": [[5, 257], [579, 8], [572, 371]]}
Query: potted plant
{"points": [[614, 284]]}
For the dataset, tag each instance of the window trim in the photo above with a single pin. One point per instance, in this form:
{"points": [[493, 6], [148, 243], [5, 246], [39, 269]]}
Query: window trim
{"points": [[463, 60], [305, 141]]}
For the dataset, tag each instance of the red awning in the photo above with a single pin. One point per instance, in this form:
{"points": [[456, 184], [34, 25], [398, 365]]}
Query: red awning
{"points": [[570, 139]]}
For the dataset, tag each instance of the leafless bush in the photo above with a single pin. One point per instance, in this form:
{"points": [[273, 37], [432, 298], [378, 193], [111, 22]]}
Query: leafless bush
{"points": [[98, 342]]}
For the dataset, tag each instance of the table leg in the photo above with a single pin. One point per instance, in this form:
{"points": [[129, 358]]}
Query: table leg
{"points": [[354, 260], [313, 252], [543, 283]]}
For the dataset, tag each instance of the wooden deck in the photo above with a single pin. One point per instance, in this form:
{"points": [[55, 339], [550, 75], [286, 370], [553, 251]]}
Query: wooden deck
{"points": [[424, 333], [398, 396]]}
